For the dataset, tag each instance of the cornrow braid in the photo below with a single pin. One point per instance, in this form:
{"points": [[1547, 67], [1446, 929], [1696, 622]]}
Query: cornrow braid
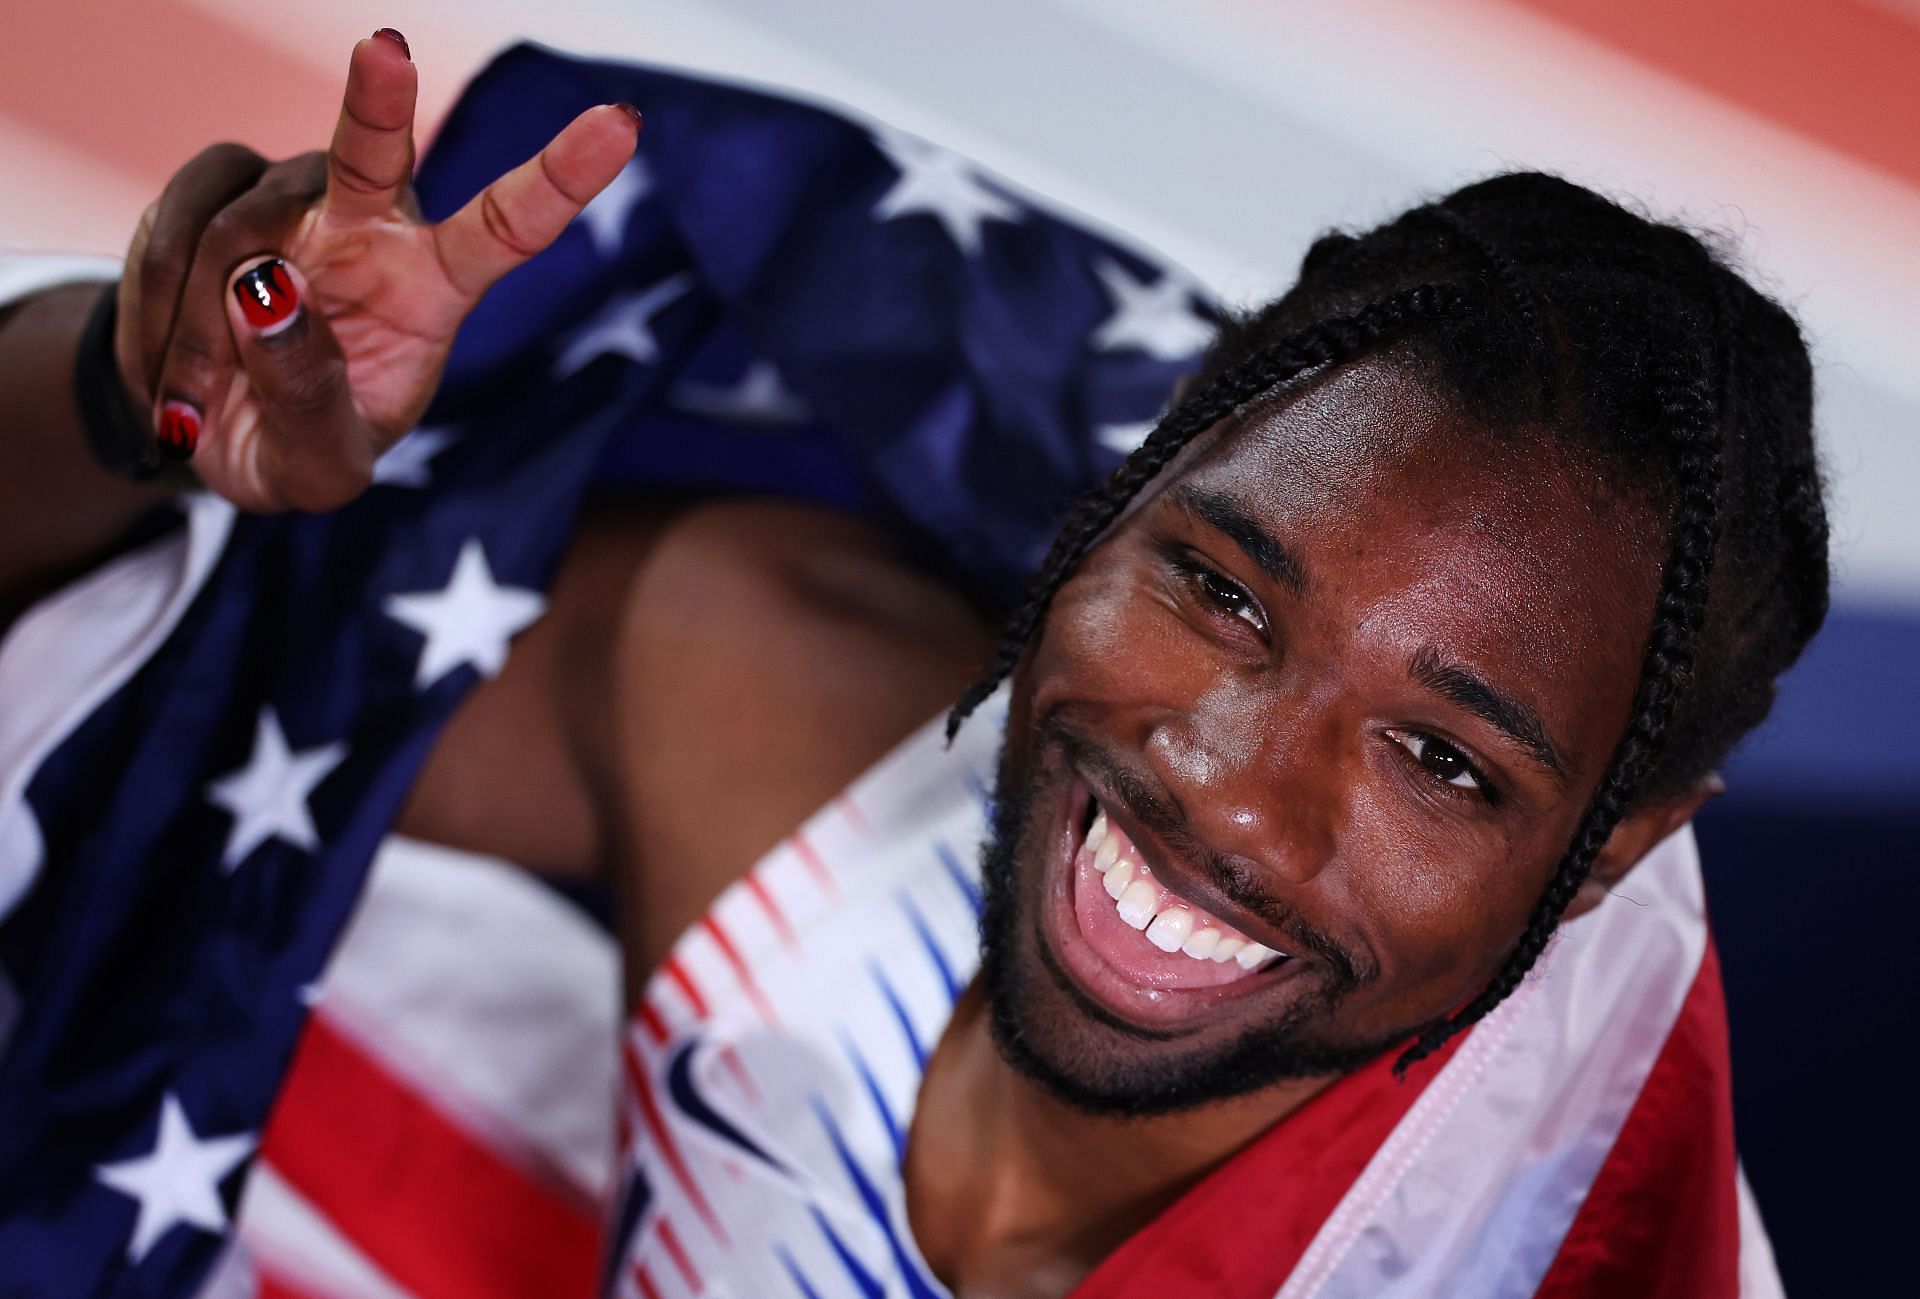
{"points": [[1327, 343], [1514, 286]]}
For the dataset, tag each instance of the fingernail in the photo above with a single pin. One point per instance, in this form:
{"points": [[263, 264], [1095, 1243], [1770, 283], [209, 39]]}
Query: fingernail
{"points": [[397, 39], [267, 297], [179, 430], [632, 112]]}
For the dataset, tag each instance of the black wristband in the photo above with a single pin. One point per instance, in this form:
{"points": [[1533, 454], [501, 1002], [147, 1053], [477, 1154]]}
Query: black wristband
{"points": [[118, 435]]}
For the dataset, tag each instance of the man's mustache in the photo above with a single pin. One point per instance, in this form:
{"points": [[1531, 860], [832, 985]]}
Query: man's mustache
{"points": [[1148, 802]]}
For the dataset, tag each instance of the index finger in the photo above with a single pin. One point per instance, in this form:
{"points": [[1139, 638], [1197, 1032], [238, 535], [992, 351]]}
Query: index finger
{"points": [[370, 162], [526, 209]]}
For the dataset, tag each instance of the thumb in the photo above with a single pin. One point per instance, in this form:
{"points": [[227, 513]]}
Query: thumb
{"points": [[315, 451]]}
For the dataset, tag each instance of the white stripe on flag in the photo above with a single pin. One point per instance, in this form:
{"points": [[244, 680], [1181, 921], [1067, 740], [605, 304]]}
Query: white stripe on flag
{"points": [[283, 1235], [494, 997]]}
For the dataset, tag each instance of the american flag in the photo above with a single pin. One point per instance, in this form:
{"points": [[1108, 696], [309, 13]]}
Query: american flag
{"points": [[203, 746]]}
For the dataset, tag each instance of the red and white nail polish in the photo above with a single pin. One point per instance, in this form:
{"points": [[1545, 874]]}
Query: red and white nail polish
{"points": [[179, 431], [268, 298]]}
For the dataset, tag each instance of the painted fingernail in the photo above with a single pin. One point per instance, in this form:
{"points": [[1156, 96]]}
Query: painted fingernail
{"points": [[632, 112], [179, 430], [267, 297], [397, 39]]}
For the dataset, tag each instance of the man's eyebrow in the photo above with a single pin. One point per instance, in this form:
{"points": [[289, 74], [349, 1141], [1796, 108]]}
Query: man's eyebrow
{"points": [[1504, 713], [1222, 513]]}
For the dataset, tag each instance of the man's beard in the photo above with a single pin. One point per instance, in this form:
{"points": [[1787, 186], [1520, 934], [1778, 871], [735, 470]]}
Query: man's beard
{"points": [[1180, 1077]]}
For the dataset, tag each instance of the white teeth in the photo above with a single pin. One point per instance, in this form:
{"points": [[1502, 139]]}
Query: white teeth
{"points": [[1135, 903], [1200, 945], [1174, 930], [1170, 929]]}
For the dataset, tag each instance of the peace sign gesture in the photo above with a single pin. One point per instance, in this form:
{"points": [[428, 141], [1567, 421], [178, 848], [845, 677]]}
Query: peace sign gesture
{"points": [[286, 323]]}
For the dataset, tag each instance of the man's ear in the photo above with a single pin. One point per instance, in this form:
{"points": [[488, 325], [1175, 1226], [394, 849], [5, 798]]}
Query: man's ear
{"points": [[1635, 836]]}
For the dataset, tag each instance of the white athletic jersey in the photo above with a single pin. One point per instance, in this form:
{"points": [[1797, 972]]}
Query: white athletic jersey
{"points": [[772, 1068]]}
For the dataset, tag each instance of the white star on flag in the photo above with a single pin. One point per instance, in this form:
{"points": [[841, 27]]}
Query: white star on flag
{"points": [[1123, 438], [405, 462], [624, 327], [268, 797], [605, 218], [938, 182], [178, 1181], [1159, 319], [758, 397], [470, 620]]}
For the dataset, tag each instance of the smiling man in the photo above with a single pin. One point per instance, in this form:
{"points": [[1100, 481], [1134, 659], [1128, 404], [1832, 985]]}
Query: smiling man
{"points": [[1415, 630]]}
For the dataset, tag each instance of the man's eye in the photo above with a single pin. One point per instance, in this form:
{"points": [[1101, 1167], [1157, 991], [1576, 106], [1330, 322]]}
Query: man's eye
{"points": [[1225, 594], [1446, 763]]}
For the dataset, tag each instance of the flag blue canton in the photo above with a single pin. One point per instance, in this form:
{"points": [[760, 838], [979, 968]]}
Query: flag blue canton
{"points": [[772, 298]]}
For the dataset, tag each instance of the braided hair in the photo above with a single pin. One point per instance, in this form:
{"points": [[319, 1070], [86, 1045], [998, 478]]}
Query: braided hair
{"points": [[1536, 304]]}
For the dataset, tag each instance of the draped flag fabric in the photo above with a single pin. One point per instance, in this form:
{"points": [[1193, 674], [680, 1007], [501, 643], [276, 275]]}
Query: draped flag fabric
{"points": [[203, 745]]}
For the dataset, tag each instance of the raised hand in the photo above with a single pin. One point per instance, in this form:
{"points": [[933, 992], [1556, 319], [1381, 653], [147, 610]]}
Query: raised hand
{"points": [[286, 323]]}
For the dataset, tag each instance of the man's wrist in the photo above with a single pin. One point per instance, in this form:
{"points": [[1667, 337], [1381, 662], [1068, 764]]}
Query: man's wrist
{"points": [[119, 435]]}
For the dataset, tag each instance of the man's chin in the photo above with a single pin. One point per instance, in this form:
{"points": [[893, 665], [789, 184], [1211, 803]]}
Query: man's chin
{"points": [[1055, 1021]]}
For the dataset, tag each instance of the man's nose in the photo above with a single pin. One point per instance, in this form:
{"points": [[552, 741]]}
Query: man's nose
{"points": [[1261, 787]]}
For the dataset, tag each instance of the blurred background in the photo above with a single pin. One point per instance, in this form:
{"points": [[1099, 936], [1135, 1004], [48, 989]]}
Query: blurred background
{"points": [[1225, 134]]}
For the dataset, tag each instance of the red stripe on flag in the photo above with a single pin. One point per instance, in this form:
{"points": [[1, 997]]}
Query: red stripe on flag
{"points": [[724, 941], [268, 1284], [1662, 1219], [438, 1211], [775, 916], [1276, 1193], [642, 1088], [812, 860], [678, 1253]]}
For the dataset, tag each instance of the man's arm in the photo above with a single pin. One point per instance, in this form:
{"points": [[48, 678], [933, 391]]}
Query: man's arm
{"points": [[60, 512]]}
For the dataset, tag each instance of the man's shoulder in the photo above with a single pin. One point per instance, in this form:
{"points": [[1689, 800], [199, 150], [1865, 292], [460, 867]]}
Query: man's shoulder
{"points": [[764, 655]]}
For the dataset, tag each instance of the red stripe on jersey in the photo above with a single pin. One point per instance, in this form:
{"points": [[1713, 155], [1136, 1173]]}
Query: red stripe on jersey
{"points": [[815, 864], [644, 1279], [775, 916], [742, 1079], [642, 1088], [678, 1253], [650, 1020], [1271, 1199], [684, 981], [855, 817], [1662, 1219], [431, 1206], [724, 941]]}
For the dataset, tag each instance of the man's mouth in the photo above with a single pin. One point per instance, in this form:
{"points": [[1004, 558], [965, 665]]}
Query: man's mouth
{"points": [[1133, 943]]}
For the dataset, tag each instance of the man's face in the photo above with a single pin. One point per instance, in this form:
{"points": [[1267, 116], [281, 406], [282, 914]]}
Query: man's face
{"points": [[1339, 686]]}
